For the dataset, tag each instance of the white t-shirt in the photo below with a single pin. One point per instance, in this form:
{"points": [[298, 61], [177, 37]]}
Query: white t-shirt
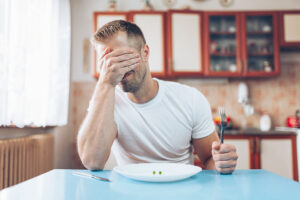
{"points": [[161, 130]]}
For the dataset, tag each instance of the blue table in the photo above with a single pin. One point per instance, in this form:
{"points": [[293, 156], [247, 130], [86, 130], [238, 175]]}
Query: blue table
{"points": [[208, 184]]}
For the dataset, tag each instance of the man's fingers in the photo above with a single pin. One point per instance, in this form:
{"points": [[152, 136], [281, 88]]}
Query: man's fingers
{"points": [[225, 170], [216, 145], [225, 156], [226, 164], [125, 66], [101, 54], [106, 51], [225, 148], [127, 63], [125, 57], [126, 69], [119, 52]]}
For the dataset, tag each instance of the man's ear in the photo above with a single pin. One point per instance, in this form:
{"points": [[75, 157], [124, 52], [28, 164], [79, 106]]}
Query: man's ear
{"points": [[145, 52]]}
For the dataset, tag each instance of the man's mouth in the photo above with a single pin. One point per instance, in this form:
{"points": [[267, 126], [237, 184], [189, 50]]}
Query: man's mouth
{"points": [[127, 74]]}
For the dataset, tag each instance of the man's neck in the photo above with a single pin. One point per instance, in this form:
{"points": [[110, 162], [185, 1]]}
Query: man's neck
{"points": [[148, 91]]}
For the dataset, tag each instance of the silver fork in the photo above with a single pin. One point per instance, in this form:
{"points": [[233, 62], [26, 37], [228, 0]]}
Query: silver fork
{"points": [[223, 122]]}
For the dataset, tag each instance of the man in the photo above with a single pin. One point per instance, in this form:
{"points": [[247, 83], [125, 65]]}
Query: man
{"points": [[150, 120]]}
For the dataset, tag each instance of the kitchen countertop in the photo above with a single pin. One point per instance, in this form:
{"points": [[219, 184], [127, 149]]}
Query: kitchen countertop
{"points": [[254, 131]]}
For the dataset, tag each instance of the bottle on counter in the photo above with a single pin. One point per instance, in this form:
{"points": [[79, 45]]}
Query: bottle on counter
{"points": [[265, 122]]}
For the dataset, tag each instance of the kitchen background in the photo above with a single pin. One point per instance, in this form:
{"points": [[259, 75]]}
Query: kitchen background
{"points": [[279, 96]]}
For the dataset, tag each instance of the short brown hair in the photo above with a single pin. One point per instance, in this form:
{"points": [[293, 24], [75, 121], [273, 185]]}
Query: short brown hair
{"points": [[108, 30]]}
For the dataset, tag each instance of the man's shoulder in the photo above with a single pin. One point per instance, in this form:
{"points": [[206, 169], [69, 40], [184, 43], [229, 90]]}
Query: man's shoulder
{"points": [[178, 88], [181, 92]]}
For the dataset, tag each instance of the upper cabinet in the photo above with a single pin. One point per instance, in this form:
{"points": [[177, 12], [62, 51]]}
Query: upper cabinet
{"points": [[101, 18], [241, 44], [184, 43], [290, 28], [260, 44], [223, 44], [153, 26]]}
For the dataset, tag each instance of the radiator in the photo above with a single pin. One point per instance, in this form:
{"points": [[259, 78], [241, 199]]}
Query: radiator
{"points": [[25, 157]]}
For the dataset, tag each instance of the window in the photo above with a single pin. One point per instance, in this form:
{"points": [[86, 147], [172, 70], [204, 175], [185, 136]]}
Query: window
{"points": [[2, 14], [34, 62]]}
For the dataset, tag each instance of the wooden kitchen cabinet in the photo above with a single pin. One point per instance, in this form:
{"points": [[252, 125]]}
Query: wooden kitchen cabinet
{"points": [[185, 43], [244, 147], [153, 26], [101, 18], [289, 28], [222, 44], [275, 153], [241, 44], [211, 44], [276, 156], [261, 52]]}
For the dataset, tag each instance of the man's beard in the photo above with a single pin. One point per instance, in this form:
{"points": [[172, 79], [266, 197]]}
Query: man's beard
{"points": [[134, 84]]}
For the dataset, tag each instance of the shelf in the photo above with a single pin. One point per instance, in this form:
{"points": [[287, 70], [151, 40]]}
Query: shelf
{"points": [[249, 38], [260, 54], [260, 71], [260, 33], [222, 33], [223, 54]]}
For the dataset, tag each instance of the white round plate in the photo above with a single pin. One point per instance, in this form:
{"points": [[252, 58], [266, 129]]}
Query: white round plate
{"points": [[157, 172]]}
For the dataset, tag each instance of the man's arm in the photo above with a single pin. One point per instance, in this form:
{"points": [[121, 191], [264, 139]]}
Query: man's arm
{"points": [[99, 130], [203, 148], [213, 155]]}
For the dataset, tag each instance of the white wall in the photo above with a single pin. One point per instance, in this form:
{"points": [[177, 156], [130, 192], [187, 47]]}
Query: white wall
{"points": [[82, 21]]}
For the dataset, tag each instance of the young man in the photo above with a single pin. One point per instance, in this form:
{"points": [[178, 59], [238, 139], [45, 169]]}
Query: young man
{"points": [[150, 120]]}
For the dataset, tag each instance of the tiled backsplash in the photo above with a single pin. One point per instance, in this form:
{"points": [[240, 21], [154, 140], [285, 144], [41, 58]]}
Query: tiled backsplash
{"points": [[280, 97]]}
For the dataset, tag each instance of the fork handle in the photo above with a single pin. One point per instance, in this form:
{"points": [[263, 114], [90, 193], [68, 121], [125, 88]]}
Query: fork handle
{"points": [[222, 134]]}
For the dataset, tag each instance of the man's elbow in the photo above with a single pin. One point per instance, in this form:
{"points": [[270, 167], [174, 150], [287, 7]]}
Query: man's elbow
{"points": [[92, 163]]}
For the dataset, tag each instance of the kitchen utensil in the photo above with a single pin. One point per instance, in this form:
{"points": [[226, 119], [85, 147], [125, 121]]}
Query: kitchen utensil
{"points": [[223, 122], [90, 176]]}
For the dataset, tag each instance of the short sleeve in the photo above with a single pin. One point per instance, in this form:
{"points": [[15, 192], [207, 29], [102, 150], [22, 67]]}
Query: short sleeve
{"points": [[202, 118]]}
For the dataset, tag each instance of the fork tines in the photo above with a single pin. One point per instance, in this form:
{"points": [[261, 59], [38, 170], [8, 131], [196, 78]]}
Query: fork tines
{"points": [[223, 116], [223, 122]]}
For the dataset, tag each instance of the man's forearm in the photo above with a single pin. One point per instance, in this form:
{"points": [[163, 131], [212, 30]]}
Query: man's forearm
{"points": [[210, 163], [98, 130]]}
